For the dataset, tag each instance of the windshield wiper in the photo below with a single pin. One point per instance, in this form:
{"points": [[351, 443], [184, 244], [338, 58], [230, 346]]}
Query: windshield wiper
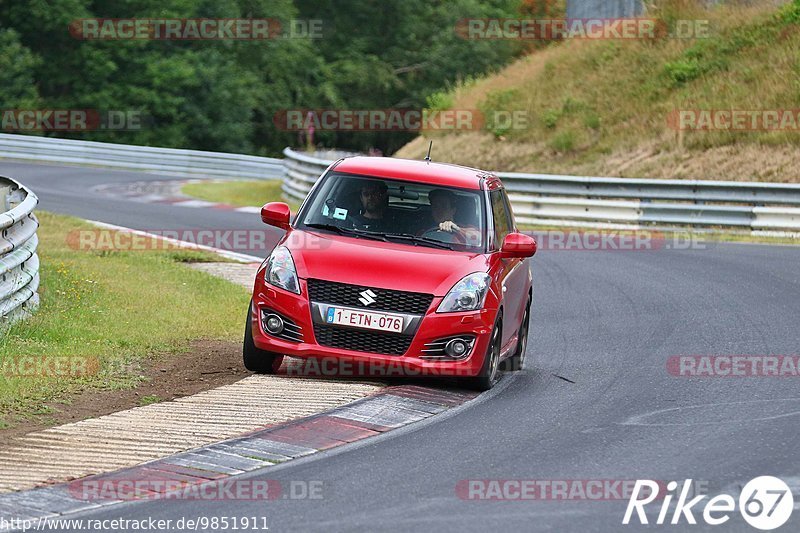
{"points": [[348, 231], [329, 227], [419, 240], [382, 236]]}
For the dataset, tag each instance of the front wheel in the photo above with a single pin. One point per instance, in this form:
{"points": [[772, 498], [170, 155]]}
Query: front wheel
{"points": [[490, 371], [255, 359]]}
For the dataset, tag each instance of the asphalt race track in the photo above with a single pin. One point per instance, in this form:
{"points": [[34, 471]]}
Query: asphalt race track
{"points": [[595, 401], [67, 190]]}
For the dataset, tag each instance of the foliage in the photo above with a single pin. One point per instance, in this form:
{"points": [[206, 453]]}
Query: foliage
{"points": [[495, 109], [224, 95]]}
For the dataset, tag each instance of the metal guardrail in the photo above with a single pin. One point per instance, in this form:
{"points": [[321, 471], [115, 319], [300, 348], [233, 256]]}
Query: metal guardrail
{"points": [[301, 172], [545, 199], [603, 9], [19, 264], [169, 161]]}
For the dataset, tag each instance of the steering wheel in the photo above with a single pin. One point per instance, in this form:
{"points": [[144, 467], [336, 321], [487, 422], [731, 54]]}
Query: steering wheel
{"points": [[352, 222], [440, 235]]}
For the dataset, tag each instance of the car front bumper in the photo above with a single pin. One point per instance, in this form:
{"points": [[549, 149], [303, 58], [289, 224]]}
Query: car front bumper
{"points": [[338, 362]]}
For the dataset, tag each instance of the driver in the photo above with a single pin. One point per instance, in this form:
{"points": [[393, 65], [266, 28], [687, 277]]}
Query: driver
{"points": [[443, 211], [374, 214]]}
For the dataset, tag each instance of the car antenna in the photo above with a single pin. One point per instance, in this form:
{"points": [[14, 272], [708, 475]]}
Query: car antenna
{"points": [[428, 157]]}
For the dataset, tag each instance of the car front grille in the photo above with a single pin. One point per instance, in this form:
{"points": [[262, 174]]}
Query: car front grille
{"points": [[362, 341], [329, 292]]}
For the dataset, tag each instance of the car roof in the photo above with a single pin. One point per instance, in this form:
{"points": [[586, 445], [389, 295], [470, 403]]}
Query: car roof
{"points": [[443, 174]]}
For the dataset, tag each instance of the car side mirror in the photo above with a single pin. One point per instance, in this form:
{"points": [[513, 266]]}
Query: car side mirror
{"points": [[518, 245], [276, 214]]}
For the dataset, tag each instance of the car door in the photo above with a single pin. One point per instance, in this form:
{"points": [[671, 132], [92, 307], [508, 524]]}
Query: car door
{"points": [[519, 279], [511, 275]]}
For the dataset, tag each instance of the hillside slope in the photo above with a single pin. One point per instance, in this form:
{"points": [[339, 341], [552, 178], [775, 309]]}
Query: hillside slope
{"points": [[603, 107]]}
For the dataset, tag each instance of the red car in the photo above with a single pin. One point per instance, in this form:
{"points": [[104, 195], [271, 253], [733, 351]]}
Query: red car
{"points": [[396, 264]]}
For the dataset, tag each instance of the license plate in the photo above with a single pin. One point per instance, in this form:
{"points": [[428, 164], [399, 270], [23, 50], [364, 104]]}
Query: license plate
{"points": [[364, 319]]}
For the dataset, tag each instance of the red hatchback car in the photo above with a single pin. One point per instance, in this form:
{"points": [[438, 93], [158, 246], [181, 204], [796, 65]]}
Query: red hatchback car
{"points": [[396, 264]]}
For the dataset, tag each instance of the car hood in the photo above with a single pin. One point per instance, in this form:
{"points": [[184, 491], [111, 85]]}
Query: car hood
{"points": [[379, 264]]}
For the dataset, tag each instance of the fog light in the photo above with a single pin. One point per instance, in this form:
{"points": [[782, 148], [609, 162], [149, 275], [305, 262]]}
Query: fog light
{"points": [[274, 324], [456, 348]]}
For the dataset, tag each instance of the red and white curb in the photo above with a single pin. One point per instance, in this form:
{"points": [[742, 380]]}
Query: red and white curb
{"points": [[192, 473], [165, 192]]}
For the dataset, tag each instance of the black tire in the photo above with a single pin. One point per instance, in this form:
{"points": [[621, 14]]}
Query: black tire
{"points": [[490, 371], [255, 359], [517, 359]]}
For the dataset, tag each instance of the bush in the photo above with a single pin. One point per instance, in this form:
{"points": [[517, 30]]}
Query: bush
{"points": [[564, 141], [683, 71], [439, 101], [550, 118], [790, 13], [500, 104], [591, 120]]}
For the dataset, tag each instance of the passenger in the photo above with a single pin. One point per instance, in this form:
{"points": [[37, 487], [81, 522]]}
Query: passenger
{"points": [[374, 214]]}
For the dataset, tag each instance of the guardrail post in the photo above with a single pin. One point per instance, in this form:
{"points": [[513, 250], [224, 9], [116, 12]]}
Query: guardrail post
{"points": [[5, 191]]}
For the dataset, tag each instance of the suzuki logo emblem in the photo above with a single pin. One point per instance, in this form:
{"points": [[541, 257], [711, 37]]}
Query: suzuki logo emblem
{"points": [[367, 297]]}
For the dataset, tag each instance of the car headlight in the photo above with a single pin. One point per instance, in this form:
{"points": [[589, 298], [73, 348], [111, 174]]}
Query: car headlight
{"points": [[469, 294], [280, 270]]}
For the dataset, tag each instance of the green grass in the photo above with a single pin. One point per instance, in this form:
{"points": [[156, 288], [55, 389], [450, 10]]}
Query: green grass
{"points": [[151, 399], [604, 105], [245, 193], [629, 87], [114, 308]]}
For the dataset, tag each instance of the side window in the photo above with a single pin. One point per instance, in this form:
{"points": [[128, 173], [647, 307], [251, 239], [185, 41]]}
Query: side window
{"points": [[500, 216], [511, 221]]}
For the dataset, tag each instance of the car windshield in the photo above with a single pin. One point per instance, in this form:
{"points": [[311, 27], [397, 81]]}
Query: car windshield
{"points": [[417, 214]]}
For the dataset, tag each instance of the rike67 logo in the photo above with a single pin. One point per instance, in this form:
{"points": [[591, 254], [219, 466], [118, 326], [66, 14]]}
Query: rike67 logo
{"points": [[766, 503]]}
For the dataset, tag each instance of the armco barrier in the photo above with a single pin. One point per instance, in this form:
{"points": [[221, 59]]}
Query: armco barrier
{"points": [[300, 173], [19, 264], [617, 202], [536, 198], [170, 161]]}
